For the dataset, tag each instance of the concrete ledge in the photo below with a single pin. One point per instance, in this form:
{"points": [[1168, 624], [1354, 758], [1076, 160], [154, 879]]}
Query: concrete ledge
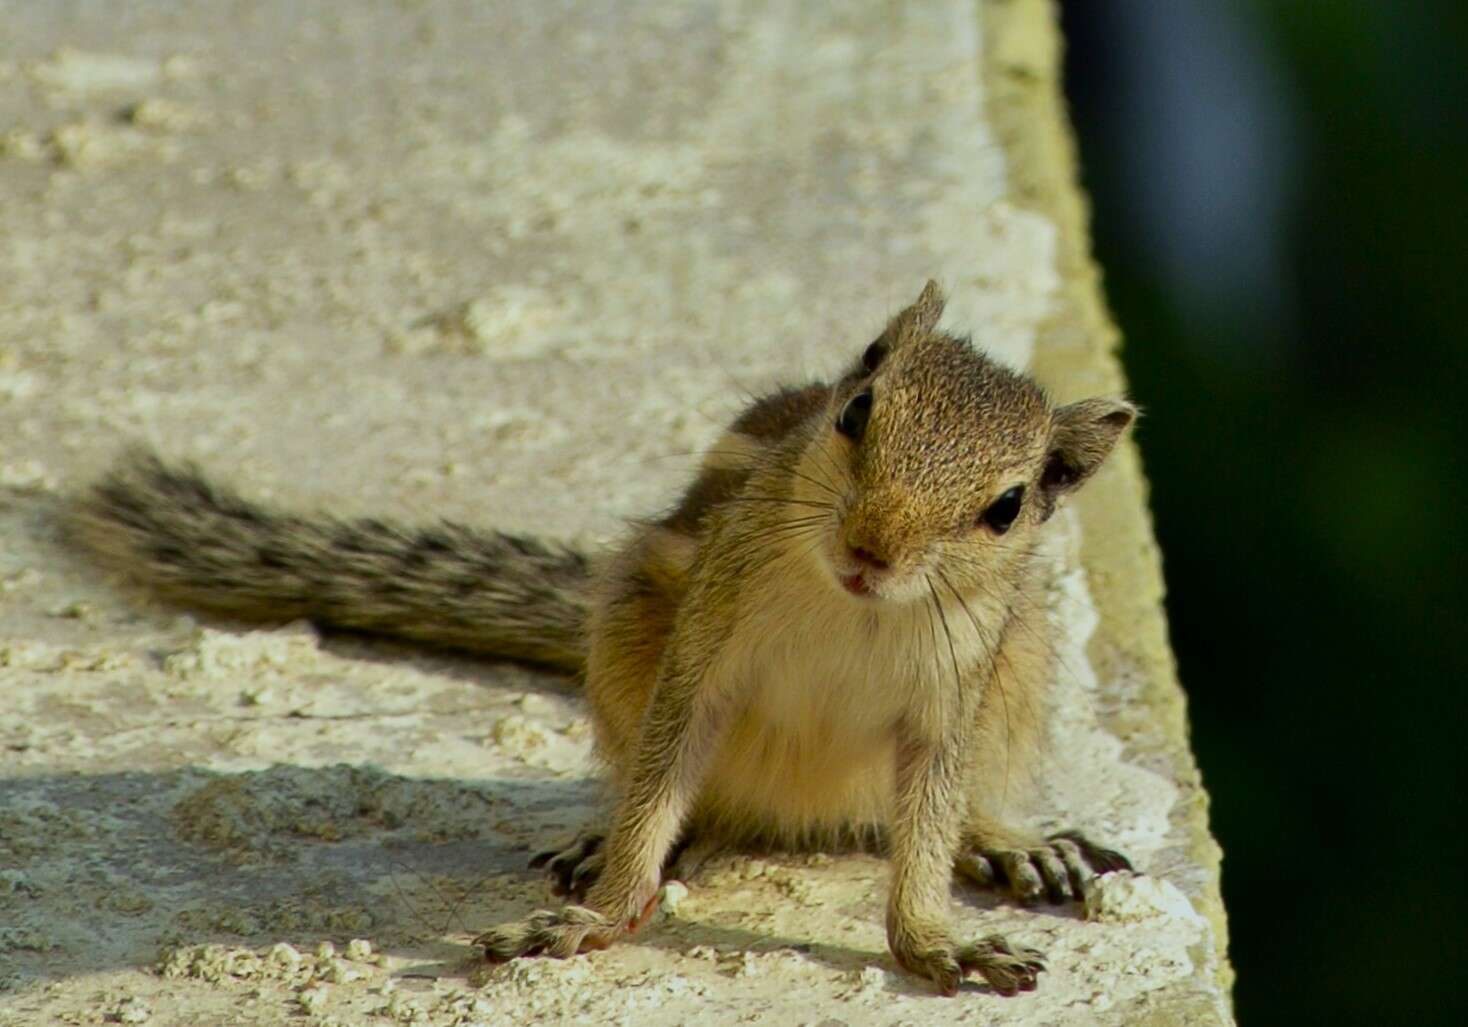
{"points": [[508, 263], [1076, 353]]}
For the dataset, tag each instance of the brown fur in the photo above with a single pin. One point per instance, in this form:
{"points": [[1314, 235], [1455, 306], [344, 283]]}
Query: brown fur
{"points": [[201, 545], [825, 641]]}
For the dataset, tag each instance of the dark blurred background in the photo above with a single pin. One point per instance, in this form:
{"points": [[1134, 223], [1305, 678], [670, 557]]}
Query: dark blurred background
{"points": [[1280, 197]]}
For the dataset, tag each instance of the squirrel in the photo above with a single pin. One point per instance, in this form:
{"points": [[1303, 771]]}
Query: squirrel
{"points": [[838, 633]]}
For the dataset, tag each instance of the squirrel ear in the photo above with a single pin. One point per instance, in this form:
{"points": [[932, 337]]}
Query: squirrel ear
{"points": [[1082, 436], [922, 317]]}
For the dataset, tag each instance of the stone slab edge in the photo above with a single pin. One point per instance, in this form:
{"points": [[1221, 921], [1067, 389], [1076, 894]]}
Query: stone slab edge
{"points": [[1078, 345]]}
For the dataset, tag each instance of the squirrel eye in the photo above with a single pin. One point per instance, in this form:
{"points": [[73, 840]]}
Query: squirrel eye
{"points": [[852, 421], [1002, 512]]}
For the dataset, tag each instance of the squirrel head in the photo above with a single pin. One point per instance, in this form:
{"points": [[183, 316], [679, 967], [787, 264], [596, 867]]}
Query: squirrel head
{"points": [[944, 464]]}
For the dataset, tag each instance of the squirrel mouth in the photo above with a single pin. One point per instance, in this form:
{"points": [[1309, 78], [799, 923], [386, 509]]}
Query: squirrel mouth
{"points": [[856, 584]]}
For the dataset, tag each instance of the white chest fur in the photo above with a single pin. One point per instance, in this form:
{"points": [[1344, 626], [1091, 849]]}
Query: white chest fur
{"points": [[811, 654], [821, 681]]}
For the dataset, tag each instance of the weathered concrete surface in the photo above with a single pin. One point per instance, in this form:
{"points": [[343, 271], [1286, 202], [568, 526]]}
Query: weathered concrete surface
{"points": [[508, 263]]}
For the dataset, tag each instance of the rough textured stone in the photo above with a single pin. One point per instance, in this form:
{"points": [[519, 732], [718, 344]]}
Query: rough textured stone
{"points": [[513, 263]]}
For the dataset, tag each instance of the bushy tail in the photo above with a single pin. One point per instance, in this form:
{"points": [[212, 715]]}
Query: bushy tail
{"points": [[446, 585]]}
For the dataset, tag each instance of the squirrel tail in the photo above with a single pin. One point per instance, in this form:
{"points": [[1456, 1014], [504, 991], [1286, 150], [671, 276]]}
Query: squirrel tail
{"points": [[446, 585]]}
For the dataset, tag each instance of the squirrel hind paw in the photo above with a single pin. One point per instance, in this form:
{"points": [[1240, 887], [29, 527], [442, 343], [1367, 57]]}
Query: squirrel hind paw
{"points": [[575, 867], [1056, 871]]}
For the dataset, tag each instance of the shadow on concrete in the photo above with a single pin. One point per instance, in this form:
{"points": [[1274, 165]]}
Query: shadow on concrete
{"points": [[108, 871]]}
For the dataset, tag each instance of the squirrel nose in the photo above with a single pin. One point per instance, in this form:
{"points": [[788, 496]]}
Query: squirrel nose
{"points": [[865, 556]]}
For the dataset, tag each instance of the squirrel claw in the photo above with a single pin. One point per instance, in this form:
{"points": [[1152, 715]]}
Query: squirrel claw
{"points": [[574, 868], [1056, 871]]}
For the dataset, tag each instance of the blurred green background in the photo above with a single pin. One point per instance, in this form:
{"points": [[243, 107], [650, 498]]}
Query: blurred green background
{"points": [[1281, 208]]}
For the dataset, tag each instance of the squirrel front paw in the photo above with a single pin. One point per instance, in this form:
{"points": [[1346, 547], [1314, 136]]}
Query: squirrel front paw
{"points": [[1057, 869], [558, 934], [572, 929], [1008, 969]]}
